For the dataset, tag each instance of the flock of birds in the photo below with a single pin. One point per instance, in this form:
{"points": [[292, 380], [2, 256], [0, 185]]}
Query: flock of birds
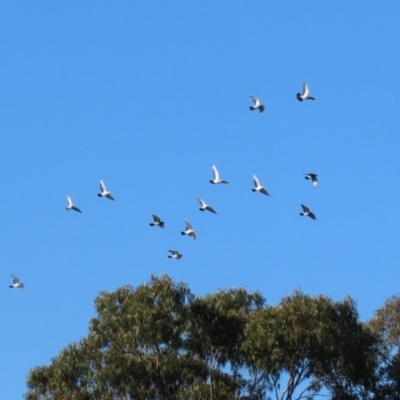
{"points": [[189, 231]]}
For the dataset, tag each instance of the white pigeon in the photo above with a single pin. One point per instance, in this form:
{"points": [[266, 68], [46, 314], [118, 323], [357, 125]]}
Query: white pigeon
{"points": [[104, 191], [216, 179], [307, 213], [313, 177], [71, 206], [257, 104], [306, 93], [258, 187], [175, 254], [157, 222], [16, 283], [189, 230], [205, 206]]}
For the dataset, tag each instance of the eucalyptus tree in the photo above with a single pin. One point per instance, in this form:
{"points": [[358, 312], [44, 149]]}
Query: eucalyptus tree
{"points": [[158, 341], [386, 324], [309, 346]]}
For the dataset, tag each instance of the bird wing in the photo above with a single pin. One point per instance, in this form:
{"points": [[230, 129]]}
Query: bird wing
{"points": [[156, 219], [306, 90], [109, 196], [263, 190], [173, 251], [188, 225], [216, 174], [305, 209], [102, 186], [201, 201], [256, 181], [69, 201], [211, 209], [15, 279], [192, 234], [76, 209], [256, 101], [312, 215]]}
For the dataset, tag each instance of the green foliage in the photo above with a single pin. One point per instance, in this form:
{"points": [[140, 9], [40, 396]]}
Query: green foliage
{"points": [[386, 325], [311, 340], [159, 341]]}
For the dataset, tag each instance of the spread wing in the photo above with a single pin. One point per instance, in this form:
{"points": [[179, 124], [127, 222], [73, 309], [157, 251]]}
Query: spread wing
{"points": [[211, 209], [15, 279], [201, 201], [69, 201], [256, 181], [188, 225], [173, 251], [306, 90], [110, 197], [102, 186], [216, 174], [305, 209], [256, 101], [312, 215], [156, 219]]}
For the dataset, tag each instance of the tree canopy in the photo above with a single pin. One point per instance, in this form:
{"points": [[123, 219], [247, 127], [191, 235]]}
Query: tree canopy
{"points": [[160, 341]]}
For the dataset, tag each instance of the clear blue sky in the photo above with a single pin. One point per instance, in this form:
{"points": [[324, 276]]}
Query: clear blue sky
{"points": [[148, 96]]}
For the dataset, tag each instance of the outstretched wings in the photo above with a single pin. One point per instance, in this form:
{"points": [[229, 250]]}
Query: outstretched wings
{"points": [[188, 225], [256, 181]]}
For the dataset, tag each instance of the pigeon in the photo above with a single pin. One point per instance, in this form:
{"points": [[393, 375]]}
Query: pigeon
{"points": [[306, 212], [104, 191], [157, 221], [204, 206], [175, 254], [314, 179], [258, 187], [306, 93], [257, 104], [189, 230], [216, 179], [16, 283], [71, 206]]}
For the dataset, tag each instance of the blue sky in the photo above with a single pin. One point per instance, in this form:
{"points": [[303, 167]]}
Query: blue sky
{"points": [[148, 97]]}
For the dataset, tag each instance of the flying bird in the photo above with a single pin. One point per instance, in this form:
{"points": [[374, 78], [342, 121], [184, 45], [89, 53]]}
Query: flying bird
{"points": [[16, 283], [189, 230], [313, 177], [306, 93], [205, 206], [257, 104], [104, 191], [258, 187], [157, 222], [175, 254], [71, 206], [217, 178], [307, 213]]}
